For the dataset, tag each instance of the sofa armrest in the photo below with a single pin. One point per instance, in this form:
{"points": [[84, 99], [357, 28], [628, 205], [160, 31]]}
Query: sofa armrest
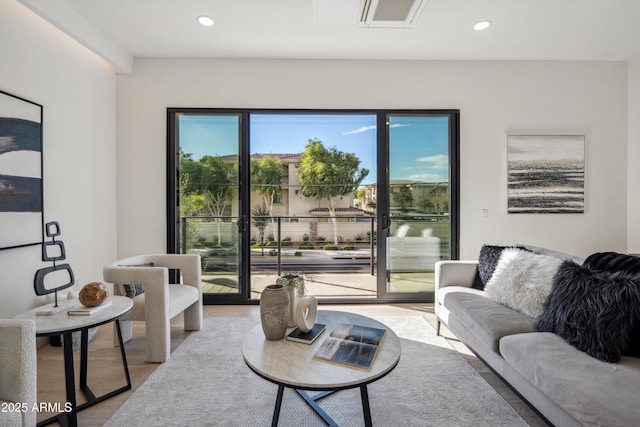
{"points": [[188, 264], [455, 273], [131, 271]]}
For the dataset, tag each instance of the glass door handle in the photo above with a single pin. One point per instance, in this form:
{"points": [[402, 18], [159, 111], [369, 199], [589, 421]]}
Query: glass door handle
{"points": [[241, 223], [386, 222]]}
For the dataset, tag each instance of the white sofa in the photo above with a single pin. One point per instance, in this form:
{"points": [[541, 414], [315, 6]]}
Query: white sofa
{"points": [[160, 301], [18, 368], [566, 386]]}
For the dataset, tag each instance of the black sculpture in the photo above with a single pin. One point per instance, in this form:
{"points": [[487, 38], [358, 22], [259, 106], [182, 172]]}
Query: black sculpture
{"points": [[52, 230]]}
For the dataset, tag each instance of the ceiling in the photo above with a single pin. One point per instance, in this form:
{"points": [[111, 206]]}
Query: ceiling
{"points": [[120, 30]]}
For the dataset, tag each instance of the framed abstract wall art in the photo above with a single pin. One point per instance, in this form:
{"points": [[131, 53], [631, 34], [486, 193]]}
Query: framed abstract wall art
{"points": [[545, 174], [20, 172]]}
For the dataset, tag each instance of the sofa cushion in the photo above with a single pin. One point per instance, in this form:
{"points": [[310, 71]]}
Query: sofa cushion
{"points": [[598, 312], [593, 392], [487, 262], [134, 290], [550, 252], [486, 319], [522, 280], [613, 261]]}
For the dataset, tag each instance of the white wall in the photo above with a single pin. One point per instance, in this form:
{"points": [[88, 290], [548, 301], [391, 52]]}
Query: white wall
{"points": [[77, 90], [633, 175], [494, 98]]}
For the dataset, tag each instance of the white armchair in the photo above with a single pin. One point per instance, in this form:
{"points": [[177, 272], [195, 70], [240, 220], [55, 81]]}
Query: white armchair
{"points": [[160, 301], [18, 367]]}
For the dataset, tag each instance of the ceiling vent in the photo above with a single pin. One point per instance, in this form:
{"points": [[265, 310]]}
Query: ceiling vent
{"points": [[391, 13]]}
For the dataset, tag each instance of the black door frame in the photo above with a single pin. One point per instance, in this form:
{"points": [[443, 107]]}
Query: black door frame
{"points": [[244, 265]]}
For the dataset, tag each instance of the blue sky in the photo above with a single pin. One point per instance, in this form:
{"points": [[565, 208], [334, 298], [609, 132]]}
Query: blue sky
{"points": [[418, 145]]}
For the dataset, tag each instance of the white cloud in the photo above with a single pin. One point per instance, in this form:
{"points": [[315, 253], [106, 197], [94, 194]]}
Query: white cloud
{"points": [[439, 161], [360, 130], [373, 127], [429, 177]]}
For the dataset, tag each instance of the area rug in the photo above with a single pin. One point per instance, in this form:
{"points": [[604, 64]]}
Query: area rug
{"points": [[206, 383]]}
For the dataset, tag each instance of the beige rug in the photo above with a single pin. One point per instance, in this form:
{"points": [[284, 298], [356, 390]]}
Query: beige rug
{"points": [[206, 383]]}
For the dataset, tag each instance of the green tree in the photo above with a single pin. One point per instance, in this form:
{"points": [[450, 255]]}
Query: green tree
{"points": [[425, 204], [440, 198], [327, 174], [212, 179], [404, 198], [360, 195], [266, 180], [191, 204], [260, 214]]}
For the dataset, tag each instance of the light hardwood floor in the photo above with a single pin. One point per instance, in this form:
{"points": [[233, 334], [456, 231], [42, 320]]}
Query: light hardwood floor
{"points": [[105, 368]]}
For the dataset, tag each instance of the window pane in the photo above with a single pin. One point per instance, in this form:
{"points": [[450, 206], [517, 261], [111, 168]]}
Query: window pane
{"points": [[419, 235]]}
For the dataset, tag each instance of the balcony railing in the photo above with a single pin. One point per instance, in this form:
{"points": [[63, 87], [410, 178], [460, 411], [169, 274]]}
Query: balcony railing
{"points": [[272, 236]]}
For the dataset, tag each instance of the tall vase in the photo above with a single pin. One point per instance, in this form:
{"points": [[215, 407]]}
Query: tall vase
{"points": [[293, 303], [293, 285], [274, 311]]}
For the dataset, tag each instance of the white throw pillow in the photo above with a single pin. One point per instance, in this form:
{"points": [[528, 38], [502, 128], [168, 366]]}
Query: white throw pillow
{"points": [[522, 280]]}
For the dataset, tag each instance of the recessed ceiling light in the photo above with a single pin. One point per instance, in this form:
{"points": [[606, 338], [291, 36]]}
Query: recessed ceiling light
{"points": [[205, 20], [482, 25]]}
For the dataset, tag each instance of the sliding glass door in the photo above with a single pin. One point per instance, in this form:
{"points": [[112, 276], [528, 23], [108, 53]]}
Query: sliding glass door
{"points": [[363, 203], [205, 194], [420, 202]]}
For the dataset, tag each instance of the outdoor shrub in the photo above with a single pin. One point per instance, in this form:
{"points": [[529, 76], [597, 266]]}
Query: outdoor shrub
{"points": [[348, 247], [286, 241], [273, 252], [305, 237], [306, 246], [331, 247], [297, 253]]}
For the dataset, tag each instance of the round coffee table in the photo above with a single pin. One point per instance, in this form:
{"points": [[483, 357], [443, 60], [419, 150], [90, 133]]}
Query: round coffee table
{"points": [[291, 364]]}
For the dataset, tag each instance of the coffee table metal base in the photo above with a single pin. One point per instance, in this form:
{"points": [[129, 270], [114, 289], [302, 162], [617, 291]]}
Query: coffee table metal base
{"points": [[70, 418], [311, 401]]}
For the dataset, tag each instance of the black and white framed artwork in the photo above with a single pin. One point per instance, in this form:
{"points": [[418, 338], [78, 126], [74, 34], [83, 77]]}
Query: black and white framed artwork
{"points": [[20, 172], [545, 174]]}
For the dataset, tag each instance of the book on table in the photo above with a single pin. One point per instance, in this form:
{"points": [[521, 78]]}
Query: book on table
{"points": [[52, 309], [88, 311], [307, 337], [351, 345]]}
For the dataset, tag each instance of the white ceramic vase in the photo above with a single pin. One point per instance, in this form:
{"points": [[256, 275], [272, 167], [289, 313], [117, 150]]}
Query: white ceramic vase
{"points": [[293, 286], [306, 312]]}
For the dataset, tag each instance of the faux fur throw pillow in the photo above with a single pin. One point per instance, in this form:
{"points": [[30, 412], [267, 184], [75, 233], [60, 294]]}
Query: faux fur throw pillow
{"points": [[487, 262], [612, 262], [522, 280], [596, 311]]}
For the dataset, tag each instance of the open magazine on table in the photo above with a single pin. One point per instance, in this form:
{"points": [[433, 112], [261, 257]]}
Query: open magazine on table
{"points": [[351, 345]]}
